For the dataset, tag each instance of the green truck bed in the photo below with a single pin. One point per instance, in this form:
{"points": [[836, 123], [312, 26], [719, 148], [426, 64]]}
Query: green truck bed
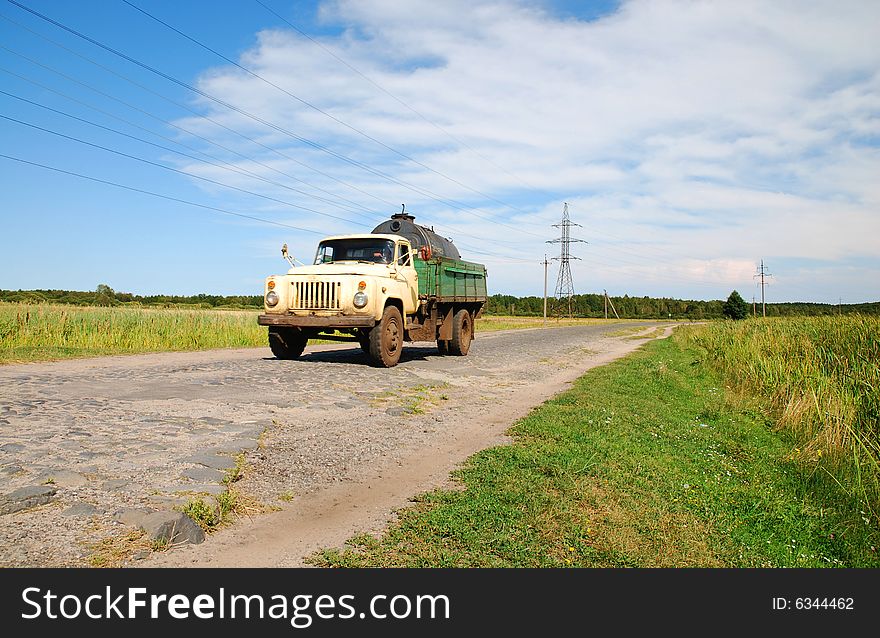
{"points": [[451, 279]]}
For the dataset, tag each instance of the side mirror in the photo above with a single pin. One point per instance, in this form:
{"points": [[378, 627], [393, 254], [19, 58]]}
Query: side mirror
{"points": [[287, 256]]}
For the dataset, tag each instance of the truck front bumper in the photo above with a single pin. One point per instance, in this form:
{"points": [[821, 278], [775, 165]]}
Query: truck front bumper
{"points": [[316, 322]]}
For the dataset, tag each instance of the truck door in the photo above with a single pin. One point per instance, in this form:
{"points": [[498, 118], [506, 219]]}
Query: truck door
{"points": [[406, 272]]}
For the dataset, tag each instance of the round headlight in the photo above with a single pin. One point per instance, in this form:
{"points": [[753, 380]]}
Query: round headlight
{"points": [[272, 298], [360, 299]]}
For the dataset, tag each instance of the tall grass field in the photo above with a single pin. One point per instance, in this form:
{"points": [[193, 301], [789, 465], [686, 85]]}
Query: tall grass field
{"points": [[815, 377], [696, 451], [41, 331], [30, 332]]}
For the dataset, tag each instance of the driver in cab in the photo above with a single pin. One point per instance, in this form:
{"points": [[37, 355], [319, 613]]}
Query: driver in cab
{"points": [[383, 255]]}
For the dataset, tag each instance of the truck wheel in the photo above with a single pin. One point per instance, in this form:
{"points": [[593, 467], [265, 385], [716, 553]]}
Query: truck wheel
{"points": [[442, 347], [462, 333], [386, 339], [286, 343]]}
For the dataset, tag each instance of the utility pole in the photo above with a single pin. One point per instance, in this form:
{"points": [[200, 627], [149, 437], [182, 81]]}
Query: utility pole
{"points": [[754, 310], [564, 283], [546, 263], [608, 301], [762, 273]]}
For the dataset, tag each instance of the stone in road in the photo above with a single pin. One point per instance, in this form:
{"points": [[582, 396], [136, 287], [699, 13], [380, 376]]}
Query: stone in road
{"points": [[149, 431]]}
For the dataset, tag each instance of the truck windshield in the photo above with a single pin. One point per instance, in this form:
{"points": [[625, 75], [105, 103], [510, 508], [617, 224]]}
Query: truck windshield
{"points": [[380, 251]]}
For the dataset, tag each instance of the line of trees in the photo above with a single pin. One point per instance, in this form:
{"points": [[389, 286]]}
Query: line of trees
{"points": [[593, 305], [104, 295], [589, 305]]}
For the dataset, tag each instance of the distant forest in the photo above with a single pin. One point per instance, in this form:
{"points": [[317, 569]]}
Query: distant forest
{"points": [[106, 296], [592, 305]]}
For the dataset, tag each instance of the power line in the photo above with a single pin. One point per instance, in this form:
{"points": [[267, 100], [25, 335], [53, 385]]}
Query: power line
{"points": [[260, 120], [479, 251], [180, 128], [483, 251], [174, 170], [168, 197], [416, 112], [393, 96], [196, 90], [610, 247], [317, 108], [185, 130], [189, 110], [403, 103], [218, 164], [474, 250], [159, 195]]}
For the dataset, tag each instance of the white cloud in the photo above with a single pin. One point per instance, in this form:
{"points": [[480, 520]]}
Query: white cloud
{"points": [[705, 134]]}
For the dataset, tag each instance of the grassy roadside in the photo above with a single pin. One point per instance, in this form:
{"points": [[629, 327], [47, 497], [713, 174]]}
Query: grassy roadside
{"points": [[491, 323], [819, 379], [647, 462], [40, 332], [44, 332]]}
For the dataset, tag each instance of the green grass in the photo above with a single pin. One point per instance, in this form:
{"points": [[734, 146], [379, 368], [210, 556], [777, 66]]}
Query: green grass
{"points": [[646, 462], [817, 378], [227, 505], [30, 332], [491, 323], [42, 332]]}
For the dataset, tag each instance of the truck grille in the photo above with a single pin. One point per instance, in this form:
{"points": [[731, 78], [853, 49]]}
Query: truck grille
{"points": [[316, 295]]}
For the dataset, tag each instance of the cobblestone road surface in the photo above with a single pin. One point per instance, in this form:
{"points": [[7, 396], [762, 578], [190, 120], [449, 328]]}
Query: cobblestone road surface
{"points": [[82, 442]]}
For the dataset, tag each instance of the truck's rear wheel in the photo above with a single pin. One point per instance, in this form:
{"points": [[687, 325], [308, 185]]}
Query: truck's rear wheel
{"points": [[286, 343], [386, 339], [462, 333]]}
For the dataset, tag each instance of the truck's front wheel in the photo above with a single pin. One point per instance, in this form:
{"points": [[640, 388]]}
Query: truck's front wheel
{"points": [[386, 339], [462, 333], [286, 343]]}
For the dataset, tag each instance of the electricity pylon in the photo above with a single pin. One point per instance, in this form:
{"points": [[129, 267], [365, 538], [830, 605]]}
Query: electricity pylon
{"points": [[564, 282]]}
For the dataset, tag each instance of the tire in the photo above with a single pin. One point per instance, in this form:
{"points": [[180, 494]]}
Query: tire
{"points": [[462, 333], [442, 347], [287, 343], [386, 339]]}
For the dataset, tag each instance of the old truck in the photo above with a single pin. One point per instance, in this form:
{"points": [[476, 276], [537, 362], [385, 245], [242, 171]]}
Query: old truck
{"points": [[401, 282]]}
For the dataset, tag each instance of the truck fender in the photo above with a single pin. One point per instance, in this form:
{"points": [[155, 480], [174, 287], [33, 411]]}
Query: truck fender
{"points": [[445, 333]]}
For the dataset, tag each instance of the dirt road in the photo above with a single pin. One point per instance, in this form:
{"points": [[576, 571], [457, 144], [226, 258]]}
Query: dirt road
{"points": [[335, 443]]}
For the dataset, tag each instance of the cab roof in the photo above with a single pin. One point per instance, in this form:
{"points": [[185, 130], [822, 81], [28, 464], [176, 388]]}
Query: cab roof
{"points": [[366, 236]]}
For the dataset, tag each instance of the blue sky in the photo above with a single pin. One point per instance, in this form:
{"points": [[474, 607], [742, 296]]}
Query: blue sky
{"points": [[690, 139]]}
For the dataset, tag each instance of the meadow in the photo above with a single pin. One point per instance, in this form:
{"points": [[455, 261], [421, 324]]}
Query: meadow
{"points": [[34, 332], [817, 378], [687, 453], [44, 331], [753, 443]]}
